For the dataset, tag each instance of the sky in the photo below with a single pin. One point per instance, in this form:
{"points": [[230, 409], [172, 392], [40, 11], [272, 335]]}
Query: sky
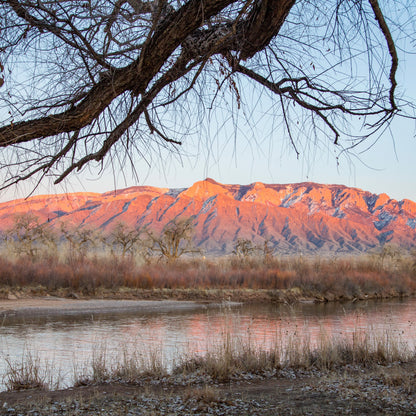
{"points": [[230, 157], [389, 167]]}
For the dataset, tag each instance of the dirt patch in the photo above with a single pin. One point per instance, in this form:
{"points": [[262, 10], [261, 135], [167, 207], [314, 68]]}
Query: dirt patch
{"points": [[354, 391]]}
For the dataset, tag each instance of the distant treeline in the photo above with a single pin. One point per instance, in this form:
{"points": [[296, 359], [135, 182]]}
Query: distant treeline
{"points": [[134, 262]]}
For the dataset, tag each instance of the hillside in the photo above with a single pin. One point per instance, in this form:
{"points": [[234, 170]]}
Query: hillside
{"points": [[302, 217]]}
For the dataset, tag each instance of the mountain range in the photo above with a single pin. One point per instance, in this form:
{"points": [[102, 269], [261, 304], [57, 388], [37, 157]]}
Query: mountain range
{"points": [[300, 217]]}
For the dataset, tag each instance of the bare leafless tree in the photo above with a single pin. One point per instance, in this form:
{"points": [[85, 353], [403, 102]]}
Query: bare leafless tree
{"points": [[244, 248], [93, 81], [125, 240], [28, 236], [175, 240], [80, 240]]}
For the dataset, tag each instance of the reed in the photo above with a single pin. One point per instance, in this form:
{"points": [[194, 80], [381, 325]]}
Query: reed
{"points": [[229, 359], [30, 372], [323, 279], [235, 358], [127, 367]]}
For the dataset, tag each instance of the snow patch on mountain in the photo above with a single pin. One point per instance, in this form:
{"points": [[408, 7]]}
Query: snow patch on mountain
{"points": [[385, 237], [371, 201], [384, 219], [123, 210], [242, 191], [174, 192], [208, 203], [291, 199], [338, 213], [89, 208], [314, 239], [249, 198], [411, 222]]}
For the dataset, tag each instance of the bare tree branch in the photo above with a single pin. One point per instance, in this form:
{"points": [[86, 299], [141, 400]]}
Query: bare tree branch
{"points": [[392, 50], [102, 72]]}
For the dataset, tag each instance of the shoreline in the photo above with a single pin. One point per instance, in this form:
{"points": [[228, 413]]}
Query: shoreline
{"points": [[49, 305], [30, 300]]}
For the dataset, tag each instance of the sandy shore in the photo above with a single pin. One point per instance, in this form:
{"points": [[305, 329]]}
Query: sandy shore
{"points": [[60, 306]]}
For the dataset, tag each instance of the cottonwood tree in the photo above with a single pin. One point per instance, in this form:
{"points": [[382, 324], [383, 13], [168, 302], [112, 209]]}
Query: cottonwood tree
{"points": [[80, 240], [244, 248], [28, 236], [125, 240], [175, 240], [97, 81]]}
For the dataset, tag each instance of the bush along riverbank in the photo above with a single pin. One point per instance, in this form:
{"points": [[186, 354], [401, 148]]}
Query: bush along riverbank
{"points": [[249, 279], [363, 373]]}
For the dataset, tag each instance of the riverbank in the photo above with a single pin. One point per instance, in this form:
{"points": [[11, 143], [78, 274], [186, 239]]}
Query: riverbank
{"points": [[40, 301], [53, 306], [382, 390]]}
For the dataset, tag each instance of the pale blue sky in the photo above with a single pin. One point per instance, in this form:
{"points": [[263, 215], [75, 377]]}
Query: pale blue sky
{"points": [[238, 157], [389, 166]]}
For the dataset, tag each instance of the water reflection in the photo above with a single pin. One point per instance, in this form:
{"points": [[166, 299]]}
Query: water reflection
{"points": [[67, 342]]}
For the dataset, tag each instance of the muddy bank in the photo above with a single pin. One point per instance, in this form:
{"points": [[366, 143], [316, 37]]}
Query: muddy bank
{"points": [[41, 300], [61, 306]]}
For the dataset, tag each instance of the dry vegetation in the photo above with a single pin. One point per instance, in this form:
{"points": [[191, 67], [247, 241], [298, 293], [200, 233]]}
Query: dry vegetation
{"points": [[231, 358], [28, 373], [127, 262], [285, 279]]}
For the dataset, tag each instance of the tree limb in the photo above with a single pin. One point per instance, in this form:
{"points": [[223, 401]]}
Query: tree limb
{"points": [[392, 50]]}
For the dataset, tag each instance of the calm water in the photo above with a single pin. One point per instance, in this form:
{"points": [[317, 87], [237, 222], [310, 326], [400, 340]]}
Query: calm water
{"points": [[69, 342]]}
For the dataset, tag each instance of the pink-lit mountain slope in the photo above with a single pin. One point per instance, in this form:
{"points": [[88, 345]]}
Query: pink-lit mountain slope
{"points": [[305, 217]]}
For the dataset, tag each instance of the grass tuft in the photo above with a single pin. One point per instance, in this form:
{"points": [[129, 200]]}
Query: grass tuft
{"points": [[26, 374]]}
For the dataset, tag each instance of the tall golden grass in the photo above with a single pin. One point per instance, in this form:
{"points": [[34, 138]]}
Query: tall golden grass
{"points": [[30, 372], [319, 278]]}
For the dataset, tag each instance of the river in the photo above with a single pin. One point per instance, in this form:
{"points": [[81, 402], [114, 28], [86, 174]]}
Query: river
{"points": [[67, 343]]}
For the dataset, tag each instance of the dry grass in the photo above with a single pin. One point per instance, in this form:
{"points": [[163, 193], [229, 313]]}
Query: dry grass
{"points": [[235, 356], [129, 367], [400, 378], [362, 348], [28, 373], [231, 358], [359, 277], [205, 394]]}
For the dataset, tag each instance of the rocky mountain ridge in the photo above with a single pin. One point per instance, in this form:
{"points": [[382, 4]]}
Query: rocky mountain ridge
{"points": [[300, 217]]}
